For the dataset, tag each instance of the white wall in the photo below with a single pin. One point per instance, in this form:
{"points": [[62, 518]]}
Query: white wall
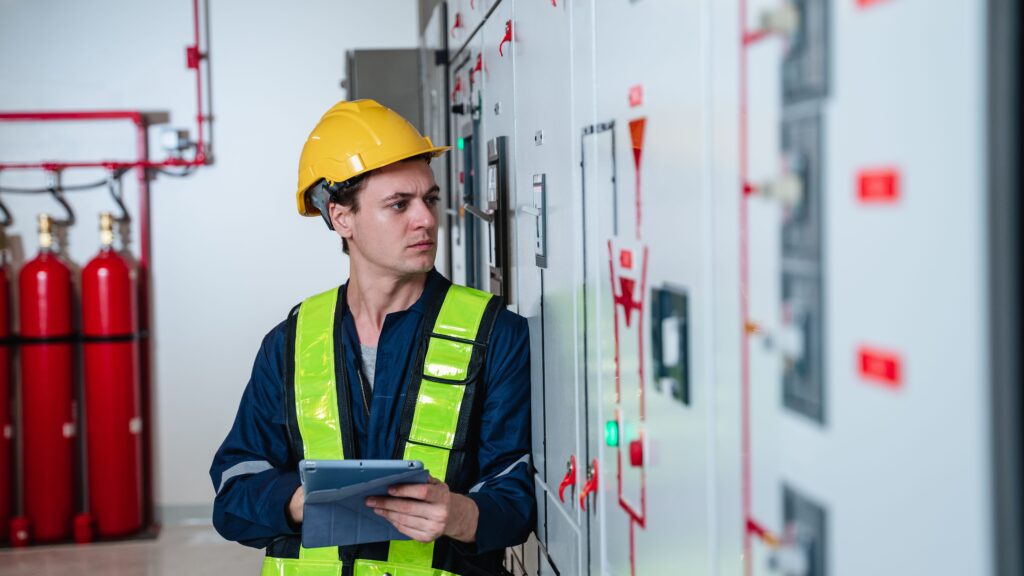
{"points": [[230, 254]]}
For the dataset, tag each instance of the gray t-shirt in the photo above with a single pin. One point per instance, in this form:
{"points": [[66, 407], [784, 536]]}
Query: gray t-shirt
{"points": [[369, 354]]}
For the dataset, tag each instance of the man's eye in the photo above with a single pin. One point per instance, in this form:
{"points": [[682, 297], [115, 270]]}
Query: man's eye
{"points": [[400, 205], [433, 200]]}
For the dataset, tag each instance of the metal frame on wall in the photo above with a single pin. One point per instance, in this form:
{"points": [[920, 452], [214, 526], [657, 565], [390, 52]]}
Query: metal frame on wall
{"points": [[1004, 276]]}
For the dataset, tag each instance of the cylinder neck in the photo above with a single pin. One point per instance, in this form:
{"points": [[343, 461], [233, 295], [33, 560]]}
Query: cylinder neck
{"points": [[106, 231], [45, 233]]}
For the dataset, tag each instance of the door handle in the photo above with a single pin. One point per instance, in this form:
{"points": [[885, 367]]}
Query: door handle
{"points": [[485, 215], [590, 486], [569, 479]]}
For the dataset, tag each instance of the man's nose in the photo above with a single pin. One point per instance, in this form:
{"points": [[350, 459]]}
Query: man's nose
{"points": [[423, 215]]}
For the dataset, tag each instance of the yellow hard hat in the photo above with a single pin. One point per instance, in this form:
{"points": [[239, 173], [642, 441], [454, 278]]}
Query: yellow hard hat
{"points": [[353, 138]]}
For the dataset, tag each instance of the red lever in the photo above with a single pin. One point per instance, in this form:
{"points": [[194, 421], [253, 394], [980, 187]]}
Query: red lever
{"points": [[590, 486], [458, 87], [507, 38], [458, 22], [478, 68], [569, 479], [471, 7], [554, 3]]}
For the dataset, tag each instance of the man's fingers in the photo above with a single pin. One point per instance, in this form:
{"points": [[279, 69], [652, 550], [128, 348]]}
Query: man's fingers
{"points": [[414, 491], [419, 529], [417, 508]]}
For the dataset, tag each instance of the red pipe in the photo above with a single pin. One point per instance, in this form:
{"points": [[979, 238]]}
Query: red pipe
{"points": [[745, 39], [133, 115], [109, 164], [145, 343], [194, 56], [194, 64]]}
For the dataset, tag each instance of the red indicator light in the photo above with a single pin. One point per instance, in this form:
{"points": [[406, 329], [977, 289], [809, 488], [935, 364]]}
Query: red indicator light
{"points": [[878, 186], [880, 367], [636, 453], [636, 95]]}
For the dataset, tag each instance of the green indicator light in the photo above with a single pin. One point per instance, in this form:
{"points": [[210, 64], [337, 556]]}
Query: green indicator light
{"points": [[461, 143], [611, 433]]}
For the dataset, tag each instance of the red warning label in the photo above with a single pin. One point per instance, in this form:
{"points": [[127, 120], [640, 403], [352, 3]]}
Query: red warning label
{"points": [[880, 186], [880, 366], [636, 96]]}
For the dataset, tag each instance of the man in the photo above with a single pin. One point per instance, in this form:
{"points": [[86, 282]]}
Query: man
{"points": [[396, 363]]}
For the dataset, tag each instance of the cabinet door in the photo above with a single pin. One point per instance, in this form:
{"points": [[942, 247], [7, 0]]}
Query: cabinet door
{"points": [[548, 263]]}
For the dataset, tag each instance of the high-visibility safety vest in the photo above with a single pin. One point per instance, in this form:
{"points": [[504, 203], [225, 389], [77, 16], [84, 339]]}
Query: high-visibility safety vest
{"points": [[436, 419]]}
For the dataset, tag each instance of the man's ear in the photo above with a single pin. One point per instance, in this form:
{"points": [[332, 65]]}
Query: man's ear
{"points": [[341, 218]]}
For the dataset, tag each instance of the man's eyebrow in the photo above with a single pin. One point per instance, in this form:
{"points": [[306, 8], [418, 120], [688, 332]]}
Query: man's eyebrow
{"points": [[435, 189]]}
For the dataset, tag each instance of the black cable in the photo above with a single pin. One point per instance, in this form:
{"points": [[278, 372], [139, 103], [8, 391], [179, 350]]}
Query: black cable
{"points": [[46, 189], [64, 188], [184, 173]]}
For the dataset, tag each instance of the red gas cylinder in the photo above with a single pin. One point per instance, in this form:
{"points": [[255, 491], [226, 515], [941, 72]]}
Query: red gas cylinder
{"points": [[111, 369], [6, 431], [47, 356]]}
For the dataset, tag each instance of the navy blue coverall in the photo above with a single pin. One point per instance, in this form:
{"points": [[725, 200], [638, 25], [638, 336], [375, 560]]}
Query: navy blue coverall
{"points": [[255, 477]]}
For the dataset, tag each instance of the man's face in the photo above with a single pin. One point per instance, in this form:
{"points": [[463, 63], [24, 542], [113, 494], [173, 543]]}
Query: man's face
{"points": [[395, 228]]}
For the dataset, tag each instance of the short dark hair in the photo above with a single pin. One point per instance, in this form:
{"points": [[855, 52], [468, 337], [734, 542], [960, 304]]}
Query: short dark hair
{"points": [[347, 193]]}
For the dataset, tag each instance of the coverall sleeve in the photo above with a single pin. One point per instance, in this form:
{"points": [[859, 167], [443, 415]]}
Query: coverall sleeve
{"points": [[251, 472], [505, 494]]}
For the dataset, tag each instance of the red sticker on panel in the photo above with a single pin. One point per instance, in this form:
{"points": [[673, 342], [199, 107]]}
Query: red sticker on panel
{"points": [[626, 259], [880, 366], [878, 186], [636, 96]]}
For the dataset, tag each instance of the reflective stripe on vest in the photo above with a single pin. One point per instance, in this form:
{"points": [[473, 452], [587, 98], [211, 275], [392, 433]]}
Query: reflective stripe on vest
{"points": [[294, 567], [316, 402], [442, 386], [439, 401]]}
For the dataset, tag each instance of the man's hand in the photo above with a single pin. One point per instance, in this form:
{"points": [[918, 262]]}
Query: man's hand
{"points": [[425, 512], [295, 505]]}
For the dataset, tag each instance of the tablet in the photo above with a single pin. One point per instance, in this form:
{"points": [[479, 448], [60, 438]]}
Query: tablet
{"points": [[320, 475], [335, 511]]}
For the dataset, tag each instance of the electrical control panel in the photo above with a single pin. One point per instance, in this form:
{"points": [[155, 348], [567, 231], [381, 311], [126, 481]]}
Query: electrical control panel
{"points": [[752, 269]]}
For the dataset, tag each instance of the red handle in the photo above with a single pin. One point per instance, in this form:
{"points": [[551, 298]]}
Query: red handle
{"points": [[457, 88], [458, 22], [478, 68], [590, 486], [569, 479], [507, 38]]}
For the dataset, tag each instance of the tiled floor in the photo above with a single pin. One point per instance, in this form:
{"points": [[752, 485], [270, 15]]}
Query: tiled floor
{"points": [[185, 550]]}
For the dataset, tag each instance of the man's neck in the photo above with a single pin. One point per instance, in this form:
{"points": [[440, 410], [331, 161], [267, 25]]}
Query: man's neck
{"points": [[371, 297]]}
